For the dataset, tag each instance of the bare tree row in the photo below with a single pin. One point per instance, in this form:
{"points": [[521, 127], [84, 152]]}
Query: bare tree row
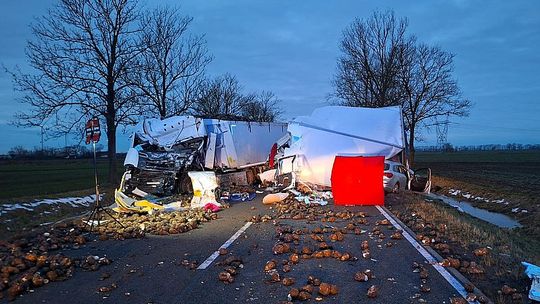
{"points": [[109, 58], [381, 65]]}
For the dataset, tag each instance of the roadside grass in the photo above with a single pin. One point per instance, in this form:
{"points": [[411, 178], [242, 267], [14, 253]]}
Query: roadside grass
{"points": [[466, 233], [30, 179]]}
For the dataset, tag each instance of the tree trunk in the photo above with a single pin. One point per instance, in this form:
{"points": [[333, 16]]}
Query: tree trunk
{"points": [[111, 131], [411, 146], [111, 150]]}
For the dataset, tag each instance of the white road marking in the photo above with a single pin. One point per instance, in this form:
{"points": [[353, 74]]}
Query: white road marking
{"points": [[450, 278], [233, 238]]}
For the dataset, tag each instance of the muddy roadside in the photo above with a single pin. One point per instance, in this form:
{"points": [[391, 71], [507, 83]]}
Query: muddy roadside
{"points": [[488, 256]]}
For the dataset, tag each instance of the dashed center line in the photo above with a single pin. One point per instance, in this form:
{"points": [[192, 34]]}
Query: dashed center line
{"points": [[233, 238]]}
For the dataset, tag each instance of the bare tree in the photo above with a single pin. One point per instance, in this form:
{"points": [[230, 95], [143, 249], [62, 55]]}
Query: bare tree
{"points": [[383, 66], [429, 90], [222, 98], [370, 62], [81, 53], [171, 68], [264, 108]]}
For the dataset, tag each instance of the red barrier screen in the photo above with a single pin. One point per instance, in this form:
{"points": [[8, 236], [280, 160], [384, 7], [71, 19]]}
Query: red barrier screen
{"points": [[358, 180]]}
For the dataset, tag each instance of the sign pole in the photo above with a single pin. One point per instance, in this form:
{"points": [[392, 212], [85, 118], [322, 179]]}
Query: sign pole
{"points": [[92, 135], [97, 185]]}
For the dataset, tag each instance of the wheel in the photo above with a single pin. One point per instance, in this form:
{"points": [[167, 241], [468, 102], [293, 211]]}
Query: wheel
{"points": [[396, 188]]}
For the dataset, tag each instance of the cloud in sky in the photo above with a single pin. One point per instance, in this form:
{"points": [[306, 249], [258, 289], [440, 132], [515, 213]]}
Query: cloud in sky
{"points": [[290, 47]]}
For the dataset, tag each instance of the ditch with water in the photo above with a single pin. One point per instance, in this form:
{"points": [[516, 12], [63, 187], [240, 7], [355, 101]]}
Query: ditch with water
{"points": [[494, 218]]}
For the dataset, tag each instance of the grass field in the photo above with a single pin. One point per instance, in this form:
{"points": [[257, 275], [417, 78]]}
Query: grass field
{"points": [[479, 157], [512, 175], [23, 179], [509, 175]]}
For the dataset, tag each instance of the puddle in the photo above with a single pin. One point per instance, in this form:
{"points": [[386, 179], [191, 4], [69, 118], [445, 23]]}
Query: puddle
{"points": [[494, 218]]}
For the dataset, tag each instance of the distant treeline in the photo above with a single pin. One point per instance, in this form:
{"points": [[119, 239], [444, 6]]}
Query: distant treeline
{"points": [[492, 147], [76, 151]]}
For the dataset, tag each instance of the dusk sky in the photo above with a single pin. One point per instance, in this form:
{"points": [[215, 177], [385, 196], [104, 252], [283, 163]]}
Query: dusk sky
{"points": [[291, 47]]}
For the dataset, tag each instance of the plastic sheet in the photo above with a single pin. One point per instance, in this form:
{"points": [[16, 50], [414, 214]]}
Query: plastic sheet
{"points": [[204, 185], [331, 131], [533, 272]]}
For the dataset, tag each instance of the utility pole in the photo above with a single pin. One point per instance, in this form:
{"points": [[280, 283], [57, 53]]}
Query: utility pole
{"points": [[442, 133]]}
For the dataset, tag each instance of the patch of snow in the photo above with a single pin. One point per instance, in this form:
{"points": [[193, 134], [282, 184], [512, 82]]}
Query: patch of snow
{"points": [[454, 192], [55, 203]]}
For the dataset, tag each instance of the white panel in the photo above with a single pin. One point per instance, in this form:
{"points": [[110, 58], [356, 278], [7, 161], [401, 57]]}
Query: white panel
{"points": [[230, 150], [210, 151]]}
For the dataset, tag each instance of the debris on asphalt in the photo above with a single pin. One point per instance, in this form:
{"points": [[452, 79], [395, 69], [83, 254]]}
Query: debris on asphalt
{"points": [[288, 281], [107, 289], [326, 289], [373, 291], [361, 277], [232, 265], [270, 265], [226, 277]]}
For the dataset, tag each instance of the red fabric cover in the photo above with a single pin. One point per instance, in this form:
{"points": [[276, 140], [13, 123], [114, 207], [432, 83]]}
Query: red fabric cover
{"points": [[272, 156], [358, 180]]}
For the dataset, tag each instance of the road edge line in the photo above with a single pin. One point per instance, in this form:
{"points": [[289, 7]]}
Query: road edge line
{"points": [[453, 281], [214, 255]]}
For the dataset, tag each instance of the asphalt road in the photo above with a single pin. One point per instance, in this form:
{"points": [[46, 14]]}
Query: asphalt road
{"points": [[149, 271]]}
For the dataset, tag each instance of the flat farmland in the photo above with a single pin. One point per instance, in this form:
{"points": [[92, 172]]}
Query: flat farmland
{"points": [[513, 175]]}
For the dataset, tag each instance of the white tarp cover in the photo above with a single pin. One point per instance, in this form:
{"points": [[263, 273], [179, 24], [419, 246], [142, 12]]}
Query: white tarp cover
{"points": [[170, 131], [337, 130]]}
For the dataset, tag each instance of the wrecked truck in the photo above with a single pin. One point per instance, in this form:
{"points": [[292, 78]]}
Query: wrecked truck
{"points": [[164, 151]]}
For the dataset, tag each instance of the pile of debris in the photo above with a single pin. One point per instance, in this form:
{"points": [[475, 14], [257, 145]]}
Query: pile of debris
{"points": [[28, 262], [160, 223]]}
